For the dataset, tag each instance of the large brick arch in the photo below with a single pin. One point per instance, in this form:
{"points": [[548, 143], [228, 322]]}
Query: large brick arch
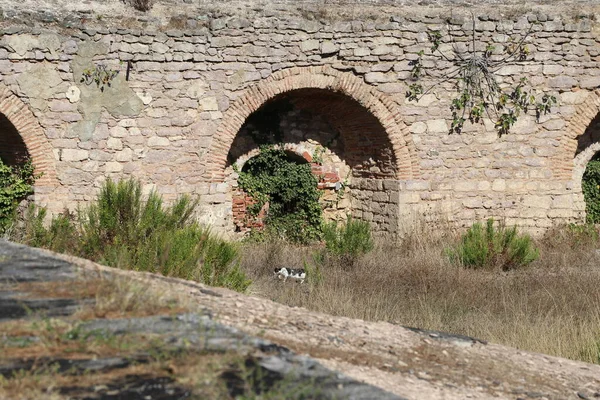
{"points": [[568, 164], [378, 104], [33, 136]]}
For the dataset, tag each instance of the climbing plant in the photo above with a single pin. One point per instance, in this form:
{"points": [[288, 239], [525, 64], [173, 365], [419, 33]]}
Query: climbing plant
{"points": [[100, 74], [590, 185], [291, 190], [478, 92], [16, 183]]}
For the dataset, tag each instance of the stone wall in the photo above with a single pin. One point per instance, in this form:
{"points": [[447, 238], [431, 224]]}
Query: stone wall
{"points": [[186, 85]]}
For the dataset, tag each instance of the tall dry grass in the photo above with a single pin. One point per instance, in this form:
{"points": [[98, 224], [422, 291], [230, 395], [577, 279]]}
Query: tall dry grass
{"points": [[552, 306]]}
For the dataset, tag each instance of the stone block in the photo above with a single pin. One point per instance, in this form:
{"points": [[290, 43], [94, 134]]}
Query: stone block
{"points": [[125, 155], [499, 185], [74, 155], [562, 82], [465, 186], [113, 166], [562, 201], [329, 47], [309, 45], [543, 202], [381, 197], [118, 132], [377, 77], [362, 52], [553, 69], [437, 126], [417, 185], [592, 82], [114, 144], [209, 104], [158, 141]]}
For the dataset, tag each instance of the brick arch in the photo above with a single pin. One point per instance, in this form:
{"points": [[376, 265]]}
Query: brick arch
{"points": [[382, 107], [568, 165], [288, 147], [33, 136]]}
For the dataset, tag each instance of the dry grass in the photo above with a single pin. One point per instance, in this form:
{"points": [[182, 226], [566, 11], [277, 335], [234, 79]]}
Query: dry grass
{"points": [[200, 373], [119, 297], [552, 307]]}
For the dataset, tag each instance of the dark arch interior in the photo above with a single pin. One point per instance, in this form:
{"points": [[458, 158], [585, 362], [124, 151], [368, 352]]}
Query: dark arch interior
{"points": [[591, 135], [331, 119], [12, 147], [290, 155]]}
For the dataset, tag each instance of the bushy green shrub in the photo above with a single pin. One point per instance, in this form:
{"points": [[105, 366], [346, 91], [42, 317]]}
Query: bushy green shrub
{"points": [[16, 183], [122, 229], [348, 241], [494, 247], [290, 188], [590, 184]]}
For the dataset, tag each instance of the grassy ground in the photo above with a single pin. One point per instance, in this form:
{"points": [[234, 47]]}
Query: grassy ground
{"points": [[551, 306]]}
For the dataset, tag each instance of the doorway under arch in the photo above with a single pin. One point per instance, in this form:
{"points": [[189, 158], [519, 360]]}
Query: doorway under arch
{"points": [[350, 132]]}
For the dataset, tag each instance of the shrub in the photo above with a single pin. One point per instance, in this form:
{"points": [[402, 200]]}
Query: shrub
{"points": [[494, 247], [590, 185], [348, 241], [16, 183], [121, 229]]}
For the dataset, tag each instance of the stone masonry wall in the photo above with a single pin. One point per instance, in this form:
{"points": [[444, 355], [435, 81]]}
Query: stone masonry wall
{"points": [[189, 78]]}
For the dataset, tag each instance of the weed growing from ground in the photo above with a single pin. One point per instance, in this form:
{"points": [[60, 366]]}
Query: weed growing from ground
{"points": [[494, 247], [122, 229]]}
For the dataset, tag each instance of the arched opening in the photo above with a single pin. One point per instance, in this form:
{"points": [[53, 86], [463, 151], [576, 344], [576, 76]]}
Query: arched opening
{"points": [[319, 117], [342, 141], [588, 155], [358, 131], [13, 150]]}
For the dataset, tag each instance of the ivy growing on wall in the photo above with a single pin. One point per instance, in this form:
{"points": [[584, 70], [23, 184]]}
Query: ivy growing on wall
{"points": [[16, 183], [590, 185], [290, 188], [478, 92]]}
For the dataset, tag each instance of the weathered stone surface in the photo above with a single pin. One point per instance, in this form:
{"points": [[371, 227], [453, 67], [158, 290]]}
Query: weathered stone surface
{"points": [[191, 332], [40, 82], [189, 89]]}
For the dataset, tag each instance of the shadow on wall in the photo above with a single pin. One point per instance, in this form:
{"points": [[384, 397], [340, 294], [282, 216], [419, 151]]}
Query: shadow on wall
{"points": [[590, 136], [13, 150], [322, 117]]}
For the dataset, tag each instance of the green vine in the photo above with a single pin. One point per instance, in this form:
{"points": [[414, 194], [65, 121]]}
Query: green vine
{"points": [[100, 75], [590, 185], [16, 183], [342, 190], [290, 189], [317, 156], [478, 92]]}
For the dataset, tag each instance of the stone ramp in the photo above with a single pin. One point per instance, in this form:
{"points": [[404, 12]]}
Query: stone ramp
{"points": [[26, 301]]}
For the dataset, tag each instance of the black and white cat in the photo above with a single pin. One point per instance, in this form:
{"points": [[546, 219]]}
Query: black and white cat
{"points": [[284, 273]]}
